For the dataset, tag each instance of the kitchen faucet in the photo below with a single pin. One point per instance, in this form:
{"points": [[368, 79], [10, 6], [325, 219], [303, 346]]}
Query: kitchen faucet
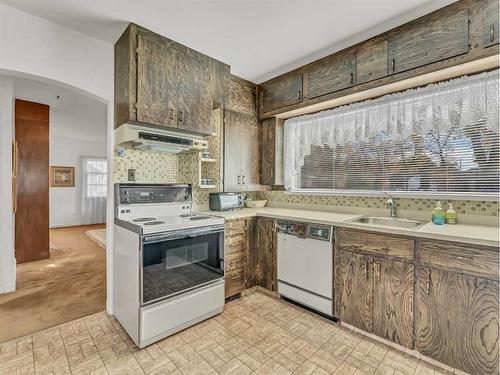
{"points": [[391, 203]]}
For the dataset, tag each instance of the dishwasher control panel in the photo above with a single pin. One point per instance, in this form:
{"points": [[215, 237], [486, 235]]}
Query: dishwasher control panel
{"points": [[305, 230]]}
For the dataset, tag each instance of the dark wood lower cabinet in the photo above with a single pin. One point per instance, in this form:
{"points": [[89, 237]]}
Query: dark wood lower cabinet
{"points": [[353, 289], [265, 272], [393, 296], [457, 317]]}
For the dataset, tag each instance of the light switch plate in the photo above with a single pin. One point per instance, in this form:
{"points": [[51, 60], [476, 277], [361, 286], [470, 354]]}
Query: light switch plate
{"points": [[131, 174]]}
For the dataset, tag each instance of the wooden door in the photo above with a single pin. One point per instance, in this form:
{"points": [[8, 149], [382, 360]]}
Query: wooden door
{"points": [[490, 23], [156, 81], [393, 285], [280, 92], [265, 272], [194, 92], [331, 74], [250, 162], [32, 215], [353, 290], [457, 317], [233, 156], [371, 62], [436, 37]]}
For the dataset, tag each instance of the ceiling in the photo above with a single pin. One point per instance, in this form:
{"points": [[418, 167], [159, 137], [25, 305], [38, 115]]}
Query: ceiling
{"points": [[258, 38], [80, 117]]}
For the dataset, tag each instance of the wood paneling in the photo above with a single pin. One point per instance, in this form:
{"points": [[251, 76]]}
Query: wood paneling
{"points": [[156, 81], [125, 80], [474, 260], [268, 149], [280, 92], [376, 244], [32, 216], [332, 74], [242, 96], [393, 300], [490, 26], [265, 272], [353, 289], [431, 38], [220, 77], [371, 61], [235, 282], [236, 256], [457, 319]]}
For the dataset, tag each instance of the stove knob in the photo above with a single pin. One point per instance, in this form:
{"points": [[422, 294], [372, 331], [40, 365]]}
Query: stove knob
{"points": [[126, 199], [320, 232]]}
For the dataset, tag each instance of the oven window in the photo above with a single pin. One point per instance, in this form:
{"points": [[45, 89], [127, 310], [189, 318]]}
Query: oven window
{"points": [[173, 266]]}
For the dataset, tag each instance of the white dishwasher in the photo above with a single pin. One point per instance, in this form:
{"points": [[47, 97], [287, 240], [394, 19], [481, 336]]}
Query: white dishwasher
{"points": [[305, 264]]}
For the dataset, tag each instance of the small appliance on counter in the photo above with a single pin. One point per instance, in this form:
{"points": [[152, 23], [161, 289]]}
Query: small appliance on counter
{"points": [[225, 201]]}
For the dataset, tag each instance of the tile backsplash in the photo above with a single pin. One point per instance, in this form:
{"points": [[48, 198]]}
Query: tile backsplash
{"points": [[150, 166]]}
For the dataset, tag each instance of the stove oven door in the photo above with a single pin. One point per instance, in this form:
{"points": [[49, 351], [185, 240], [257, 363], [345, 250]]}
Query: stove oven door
{"points": [[179, 261]]}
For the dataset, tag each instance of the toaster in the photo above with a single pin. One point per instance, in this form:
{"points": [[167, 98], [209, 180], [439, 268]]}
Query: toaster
{"points": [[225, 201]]}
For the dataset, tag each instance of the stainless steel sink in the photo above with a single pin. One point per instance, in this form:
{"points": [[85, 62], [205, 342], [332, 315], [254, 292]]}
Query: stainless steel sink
{"points": [[388, 222]]}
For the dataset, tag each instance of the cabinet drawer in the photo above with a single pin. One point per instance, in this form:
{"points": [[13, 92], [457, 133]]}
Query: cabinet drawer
{"points": [[374, 243], [234, 227], [235, 282], [473, 260], [235, 244], [235, 261]]}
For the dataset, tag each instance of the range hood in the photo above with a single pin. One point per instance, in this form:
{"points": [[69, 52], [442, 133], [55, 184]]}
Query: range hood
{"points": [[154, 139]]}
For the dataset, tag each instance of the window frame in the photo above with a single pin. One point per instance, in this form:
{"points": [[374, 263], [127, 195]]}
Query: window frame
{"points": [[87, 174]]}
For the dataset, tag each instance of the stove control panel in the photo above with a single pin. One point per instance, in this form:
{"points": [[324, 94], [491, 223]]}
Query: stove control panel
{"points": [[305, 230], [152, 193]]}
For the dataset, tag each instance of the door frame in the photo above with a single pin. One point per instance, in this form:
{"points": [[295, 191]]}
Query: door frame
{"points": [[7, 256]]}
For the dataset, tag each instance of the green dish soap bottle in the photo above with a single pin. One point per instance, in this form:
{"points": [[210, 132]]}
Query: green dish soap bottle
{"points": [[450, 217], [438, 214]]}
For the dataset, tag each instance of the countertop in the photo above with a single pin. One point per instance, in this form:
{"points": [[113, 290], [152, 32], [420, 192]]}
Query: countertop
{"points": [[464, 233]]}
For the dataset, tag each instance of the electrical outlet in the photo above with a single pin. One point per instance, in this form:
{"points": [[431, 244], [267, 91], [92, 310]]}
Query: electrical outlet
{"points": [[131, 174]]}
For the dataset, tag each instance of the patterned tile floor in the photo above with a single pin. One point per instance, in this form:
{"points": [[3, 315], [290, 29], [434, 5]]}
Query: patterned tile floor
{"points": [[256, 334]]}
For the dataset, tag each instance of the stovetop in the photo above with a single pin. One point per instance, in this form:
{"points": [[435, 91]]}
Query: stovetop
{"points": [[158, 224]]}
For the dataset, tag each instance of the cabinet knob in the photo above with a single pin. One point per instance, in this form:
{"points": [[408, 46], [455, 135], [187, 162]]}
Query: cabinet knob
{"points": [[171, 114], [393, 64], [239, 179], [299, 95], [181, 115], [492, 33], [352, 78], [243, 179]]}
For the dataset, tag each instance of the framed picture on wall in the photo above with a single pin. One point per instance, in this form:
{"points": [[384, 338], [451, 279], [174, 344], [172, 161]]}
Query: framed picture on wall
{"points": [[62, 176]]}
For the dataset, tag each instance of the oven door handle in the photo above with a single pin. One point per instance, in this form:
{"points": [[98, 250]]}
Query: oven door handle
{"points": [[191, 233]]}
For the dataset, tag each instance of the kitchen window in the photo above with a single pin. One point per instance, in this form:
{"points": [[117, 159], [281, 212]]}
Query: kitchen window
{"points": [[96, 177], [440, 139]]}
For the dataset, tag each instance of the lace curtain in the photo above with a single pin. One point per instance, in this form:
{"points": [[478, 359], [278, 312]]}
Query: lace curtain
{"points": [[440, 138], [94, 190]]}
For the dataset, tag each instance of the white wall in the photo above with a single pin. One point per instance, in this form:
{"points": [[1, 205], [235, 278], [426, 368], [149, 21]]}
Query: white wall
{"points": [[36, 48], [7, 263]]}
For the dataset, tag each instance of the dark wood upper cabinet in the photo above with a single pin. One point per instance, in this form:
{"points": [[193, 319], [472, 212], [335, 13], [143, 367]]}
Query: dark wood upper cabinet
{"points": [[156, 81], [331, 74], [438, 36], [280, 92], [195, 102], [161, 82], [271, 146], [490, 23], [371, 62]]}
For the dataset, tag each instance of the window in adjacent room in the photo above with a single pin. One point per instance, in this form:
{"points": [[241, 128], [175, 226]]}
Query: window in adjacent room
{"points": [[96, 177]]}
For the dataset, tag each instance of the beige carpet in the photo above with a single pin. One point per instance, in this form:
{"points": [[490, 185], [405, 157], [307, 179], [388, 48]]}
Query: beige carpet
{"points": [[98, 235], [69, 285]]}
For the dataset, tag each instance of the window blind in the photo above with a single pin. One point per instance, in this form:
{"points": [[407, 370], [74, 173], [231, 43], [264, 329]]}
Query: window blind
{"points": [[440, 138]]}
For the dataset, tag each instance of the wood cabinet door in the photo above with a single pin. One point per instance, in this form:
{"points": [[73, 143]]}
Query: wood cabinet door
{"points": [[194, 92], [280, 92], [371, 62], [457, 320], [442, 35], [265, 272], [250, 163], [156, 81], [233, 156], [267, 146], [490, 23], [353, 290], [393, 285], [331, 74]]}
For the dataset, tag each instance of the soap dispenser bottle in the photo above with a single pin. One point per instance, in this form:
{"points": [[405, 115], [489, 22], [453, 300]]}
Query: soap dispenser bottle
{"points": [[438, 214], [450, 216]]}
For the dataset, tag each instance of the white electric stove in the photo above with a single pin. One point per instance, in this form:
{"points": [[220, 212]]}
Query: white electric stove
{"points": [[168, 262]]}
